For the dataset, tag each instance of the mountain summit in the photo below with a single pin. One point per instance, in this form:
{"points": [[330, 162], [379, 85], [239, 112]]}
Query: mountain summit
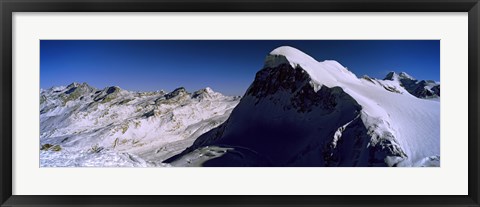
{"points": [[392, 75], [301, 112], [418, 88]]}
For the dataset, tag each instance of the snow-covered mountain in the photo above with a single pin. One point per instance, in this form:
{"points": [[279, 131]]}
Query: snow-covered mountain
{"points": [[301, 112], [84, 126], [418, 88]]}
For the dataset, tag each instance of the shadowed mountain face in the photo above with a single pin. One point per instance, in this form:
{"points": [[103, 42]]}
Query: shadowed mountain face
{"points": [[283, 121]]}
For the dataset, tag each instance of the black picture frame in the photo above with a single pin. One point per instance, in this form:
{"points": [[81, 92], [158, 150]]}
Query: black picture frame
{"points": [[9, 6]]}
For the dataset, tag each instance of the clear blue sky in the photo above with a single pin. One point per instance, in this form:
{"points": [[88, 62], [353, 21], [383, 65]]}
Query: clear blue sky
{"points": [[227, 66]]}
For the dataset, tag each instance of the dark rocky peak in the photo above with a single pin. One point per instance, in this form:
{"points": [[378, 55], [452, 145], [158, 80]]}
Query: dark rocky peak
{"points": [[177, 92], [272, 61], [112, 89], [405, 75], [292, 88], [73, 85], [270, 80], [76, 91], [401, 76], [79, 85], [204, 90], [83, 87], [391, 76], [202, 93], [418, 88], [436, 90], [107, 94]]}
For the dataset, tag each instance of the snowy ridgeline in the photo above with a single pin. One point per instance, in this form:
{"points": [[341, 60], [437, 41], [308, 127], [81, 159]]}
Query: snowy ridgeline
{"points": [[297, 112], [301, 112], [84, 126]]}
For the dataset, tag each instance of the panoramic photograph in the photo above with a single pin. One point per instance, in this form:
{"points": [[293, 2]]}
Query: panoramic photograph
{"points": [[239, 103]]}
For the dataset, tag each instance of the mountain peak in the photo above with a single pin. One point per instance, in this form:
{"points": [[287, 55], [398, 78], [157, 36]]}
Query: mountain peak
{"points": [[77, 84], [287, 51], [406, 76], [177, 92], [208, 90], [204, 90], [75, 87], [74, 84], [391, 76], [324, 115], [290, 55], [112, 89], [327, 72], [205, 93], [394, 76], [179, 89]]}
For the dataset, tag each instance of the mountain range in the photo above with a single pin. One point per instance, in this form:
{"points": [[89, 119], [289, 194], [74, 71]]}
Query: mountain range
{"points": [[116, 127], [298, 112]]}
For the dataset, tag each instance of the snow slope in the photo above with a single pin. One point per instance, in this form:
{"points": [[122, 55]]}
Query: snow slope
{"points": [[301, 112], [115, 127]]}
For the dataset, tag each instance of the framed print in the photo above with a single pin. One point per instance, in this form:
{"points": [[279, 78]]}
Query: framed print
{"points": [[193, 103], [85, 126]]}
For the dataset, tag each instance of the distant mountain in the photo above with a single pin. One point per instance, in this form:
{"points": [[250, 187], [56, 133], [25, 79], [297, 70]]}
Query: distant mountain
{"points": [[116, 127], [418, 88], [301, 112]]}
